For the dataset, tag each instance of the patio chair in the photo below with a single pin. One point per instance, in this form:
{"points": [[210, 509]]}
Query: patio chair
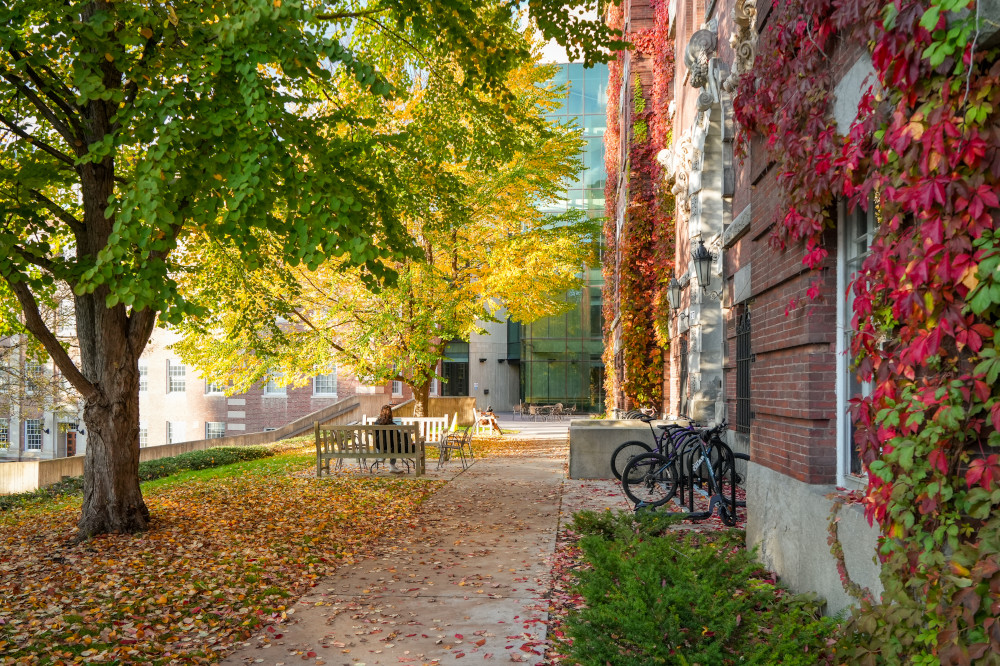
{"points": [[518, 410], [455, 442], [557, 411], [533, 412]]}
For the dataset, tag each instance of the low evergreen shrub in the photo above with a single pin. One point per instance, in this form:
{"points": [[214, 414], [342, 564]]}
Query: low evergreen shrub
{"points": [[195, 460], [659, 596]]}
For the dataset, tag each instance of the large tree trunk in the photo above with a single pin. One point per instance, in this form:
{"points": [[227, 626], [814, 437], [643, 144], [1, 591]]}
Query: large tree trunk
{"points": [[421, 397], [111, 341], [112, 500]]}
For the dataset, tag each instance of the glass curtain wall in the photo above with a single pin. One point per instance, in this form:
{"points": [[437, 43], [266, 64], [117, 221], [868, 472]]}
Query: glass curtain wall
{"points": [[561, 356]]}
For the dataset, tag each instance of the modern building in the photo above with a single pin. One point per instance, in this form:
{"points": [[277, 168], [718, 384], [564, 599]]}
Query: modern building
{"points": [[560, 357]]}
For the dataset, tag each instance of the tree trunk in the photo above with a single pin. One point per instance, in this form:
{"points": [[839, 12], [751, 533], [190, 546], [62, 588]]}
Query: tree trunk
{"points": [[421, 398], [112, 499]]}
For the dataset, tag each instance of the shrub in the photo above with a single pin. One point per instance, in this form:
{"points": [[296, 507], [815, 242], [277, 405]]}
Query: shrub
{"points": [[660, 596], [195, 460]]}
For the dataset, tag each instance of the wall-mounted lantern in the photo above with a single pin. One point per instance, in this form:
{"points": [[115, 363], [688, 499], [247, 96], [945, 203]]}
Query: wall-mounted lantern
{"points": [[703, 264], [674, 294]]}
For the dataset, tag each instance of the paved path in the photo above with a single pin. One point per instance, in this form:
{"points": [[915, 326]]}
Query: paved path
{"points": [[469, 586]]}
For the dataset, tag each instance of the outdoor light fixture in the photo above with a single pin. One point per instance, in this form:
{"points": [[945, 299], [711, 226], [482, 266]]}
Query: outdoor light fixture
{"points": [[482, 360], [702, 264], [703, 259], [674, 294]]}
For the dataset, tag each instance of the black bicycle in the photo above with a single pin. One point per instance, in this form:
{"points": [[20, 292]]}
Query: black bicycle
{"points": [[670, 433], [703, 465]]}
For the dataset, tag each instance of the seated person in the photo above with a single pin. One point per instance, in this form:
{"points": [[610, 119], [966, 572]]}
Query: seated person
{"points": [[393, 442], [490, 419]]}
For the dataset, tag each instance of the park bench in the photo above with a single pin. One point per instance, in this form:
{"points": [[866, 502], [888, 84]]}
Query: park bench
{"points": [[368, 443]]}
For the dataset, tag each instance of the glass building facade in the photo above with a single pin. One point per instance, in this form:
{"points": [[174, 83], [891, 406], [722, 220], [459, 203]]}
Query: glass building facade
{"points": [[561, 356]]}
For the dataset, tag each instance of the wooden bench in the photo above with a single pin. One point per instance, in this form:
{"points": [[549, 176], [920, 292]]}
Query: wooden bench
{"points": [[433, 429], [368, 442]]}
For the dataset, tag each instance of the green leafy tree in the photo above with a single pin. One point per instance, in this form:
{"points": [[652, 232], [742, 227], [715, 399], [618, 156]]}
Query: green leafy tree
{"points": [[131, 129], [483, 245]]}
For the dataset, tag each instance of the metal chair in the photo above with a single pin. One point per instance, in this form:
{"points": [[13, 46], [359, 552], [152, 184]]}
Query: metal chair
{"points": [[456, 442]]}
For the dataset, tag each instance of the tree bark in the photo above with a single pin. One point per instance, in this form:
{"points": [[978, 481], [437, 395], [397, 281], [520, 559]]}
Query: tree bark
{"points": [[421, 397], [112, 499]]}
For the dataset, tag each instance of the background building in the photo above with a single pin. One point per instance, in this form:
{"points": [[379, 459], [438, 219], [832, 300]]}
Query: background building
{"points": [[560, 357]]}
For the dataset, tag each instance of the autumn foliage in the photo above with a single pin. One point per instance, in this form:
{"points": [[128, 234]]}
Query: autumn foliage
{"points": [[926, 147]]}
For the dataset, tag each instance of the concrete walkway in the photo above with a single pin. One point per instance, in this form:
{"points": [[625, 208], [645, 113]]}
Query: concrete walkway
{"points": [[467, 584]]}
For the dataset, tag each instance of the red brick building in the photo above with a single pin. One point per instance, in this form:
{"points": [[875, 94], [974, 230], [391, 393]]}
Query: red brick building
{"points": [[177, 404], [746, 343]]}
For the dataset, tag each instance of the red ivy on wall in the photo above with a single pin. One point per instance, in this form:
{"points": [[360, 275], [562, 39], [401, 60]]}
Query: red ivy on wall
{"points": [[926, 146], [646, 242]]}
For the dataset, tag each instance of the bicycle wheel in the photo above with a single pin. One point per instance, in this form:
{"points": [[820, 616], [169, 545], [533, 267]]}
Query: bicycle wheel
{"points": [[649, 479], [626, 452], [720, 461]]}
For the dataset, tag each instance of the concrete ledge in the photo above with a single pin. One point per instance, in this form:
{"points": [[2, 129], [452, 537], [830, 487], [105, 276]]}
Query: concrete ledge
{"points": [[787, 523], [591, 443]]}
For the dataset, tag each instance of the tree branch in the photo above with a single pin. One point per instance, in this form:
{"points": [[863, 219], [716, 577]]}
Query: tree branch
{"points": [[59, 155], [33, 322], [76, 225], [346, 15], [44, 109], [63, 102]]}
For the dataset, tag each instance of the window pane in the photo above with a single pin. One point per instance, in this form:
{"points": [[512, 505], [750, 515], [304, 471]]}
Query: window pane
{"points": [[274, 384], [215, 430], [176, 377], [143, 435], [143, 377], [4, 433], [33, 435], [325, 384]]}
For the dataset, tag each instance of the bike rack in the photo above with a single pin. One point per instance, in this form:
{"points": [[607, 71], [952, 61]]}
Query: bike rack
{"points": [[685, 461]]}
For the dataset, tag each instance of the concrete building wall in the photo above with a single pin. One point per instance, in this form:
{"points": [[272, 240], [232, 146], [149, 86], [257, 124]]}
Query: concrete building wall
{"points": [[490, 381]]}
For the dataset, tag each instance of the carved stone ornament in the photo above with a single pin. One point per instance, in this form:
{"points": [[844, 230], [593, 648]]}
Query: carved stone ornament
{"points": [[699, 51], [683, 155], [743, 41]]}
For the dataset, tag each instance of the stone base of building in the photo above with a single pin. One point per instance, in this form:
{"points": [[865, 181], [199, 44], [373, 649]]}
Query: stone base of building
{"points": [[787, 524]]}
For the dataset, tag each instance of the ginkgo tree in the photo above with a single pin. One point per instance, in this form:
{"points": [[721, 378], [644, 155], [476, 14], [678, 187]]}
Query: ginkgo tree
{"points": [[129, 130], [486, 249]]}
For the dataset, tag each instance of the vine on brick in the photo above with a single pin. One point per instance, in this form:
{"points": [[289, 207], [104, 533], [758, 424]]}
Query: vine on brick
{"points": [[646, 243], [927, 140]]}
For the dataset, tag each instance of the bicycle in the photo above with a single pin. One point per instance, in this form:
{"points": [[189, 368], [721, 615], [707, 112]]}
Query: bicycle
{"points": [[652, 479], [632, 448]]}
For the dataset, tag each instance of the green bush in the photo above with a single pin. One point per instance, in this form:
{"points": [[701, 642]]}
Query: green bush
{"points": [[194, 460], [657, 596]]}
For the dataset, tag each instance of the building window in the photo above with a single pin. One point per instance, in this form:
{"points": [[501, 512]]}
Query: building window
{"points": [[274, 386], [744, 357], [455, 369], [67, 317], [215, 430], [397, 388], [4, 433], [143, 435], [325, 384], [212, 388], [33, 435], [176, 377], [175, 431], [34, 374], [857, 229], [143, 378]]}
